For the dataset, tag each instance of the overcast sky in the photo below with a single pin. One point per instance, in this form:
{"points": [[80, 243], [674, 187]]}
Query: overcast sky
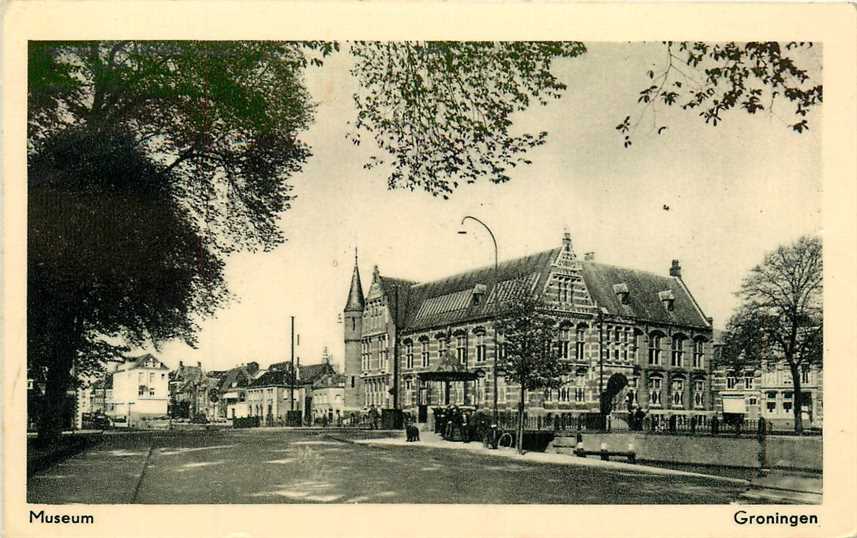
{"points": [[734, 192]]}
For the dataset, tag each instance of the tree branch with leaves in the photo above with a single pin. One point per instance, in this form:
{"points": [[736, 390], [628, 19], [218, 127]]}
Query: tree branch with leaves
{"points": [[530, 358]]}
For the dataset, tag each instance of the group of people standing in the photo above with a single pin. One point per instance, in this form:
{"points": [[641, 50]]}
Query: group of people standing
{"points": [[454, 424]]}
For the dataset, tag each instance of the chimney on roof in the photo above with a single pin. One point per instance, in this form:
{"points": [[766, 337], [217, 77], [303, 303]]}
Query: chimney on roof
{"points": [[589, 257], [566, 241], [199, 364], [675, 269], [181, 364]]}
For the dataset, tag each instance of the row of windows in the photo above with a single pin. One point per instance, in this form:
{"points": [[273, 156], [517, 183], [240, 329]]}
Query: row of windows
{"points": [[621, 347], [677, 351], [784, 402], [375, 354], [676, 393], [375, 392], [144, 389], [573, 391], [748, 381]]}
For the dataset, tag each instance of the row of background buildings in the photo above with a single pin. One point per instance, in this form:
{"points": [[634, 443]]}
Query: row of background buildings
{"points": [[144, 387]]}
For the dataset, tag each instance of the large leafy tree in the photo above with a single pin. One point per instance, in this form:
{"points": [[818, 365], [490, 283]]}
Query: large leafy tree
{"points": [[148, 163], [781, 318], [442, 112], [530, 355]]}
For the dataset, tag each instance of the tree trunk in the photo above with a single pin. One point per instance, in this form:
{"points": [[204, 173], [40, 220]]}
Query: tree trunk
{"points": [[54, 407], [520, 435], [797, 408]]}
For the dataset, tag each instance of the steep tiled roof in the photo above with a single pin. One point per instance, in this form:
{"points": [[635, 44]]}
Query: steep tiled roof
{"points": [[311, 372], [186, 374], [238, 375], [643, 299], [134, 362], [449, 300], [273, 378], [307, 373]]}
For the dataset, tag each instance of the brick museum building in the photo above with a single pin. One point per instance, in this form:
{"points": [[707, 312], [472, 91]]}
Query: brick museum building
{"points": [[640, 337]]}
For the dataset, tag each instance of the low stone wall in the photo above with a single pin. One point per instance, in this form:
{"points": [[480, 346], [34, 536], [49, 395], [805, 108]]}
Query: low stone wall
{"points": [[802, 453]]}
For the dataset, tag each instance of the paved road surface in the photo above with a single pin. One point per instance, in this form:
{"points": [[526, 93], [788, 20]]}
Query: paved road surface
{"points": [[277, 466]]}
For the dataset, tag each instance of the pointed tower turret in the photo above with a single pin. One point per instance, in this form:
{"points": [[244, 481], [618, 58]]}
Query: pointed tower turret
{"points": [[352, 320], [355, 302]]}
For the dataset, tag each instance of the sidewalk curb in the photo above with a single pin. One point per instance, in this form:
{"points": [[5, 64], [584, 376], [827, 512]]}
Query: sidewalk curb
{"points": [[142, 474], [620, 466]]}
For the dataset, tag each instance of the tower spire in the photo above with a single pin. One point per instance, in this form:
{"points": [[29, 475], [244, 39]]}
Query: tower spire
{"points": [[355, 301]]}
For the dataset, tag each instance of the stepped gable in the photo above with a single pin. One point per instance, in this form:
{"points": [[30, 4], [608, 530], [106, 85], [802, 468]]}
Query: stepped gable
{"points": [[450, 300], [397, 291], [643, 301]]}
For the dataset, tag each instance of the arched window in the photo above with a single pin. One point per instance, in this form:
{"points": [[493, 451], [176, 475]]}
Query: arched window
{"points": [[442, 344], [655, 388], [698, 353], [409, 354], [677, 391], [617, 347], [481, 352], [385, 353], [461, 349], [655, 348], [424, 353], [677, 351], [580, 386], [564, 342], [626, 341], [580, 342], [699, 393]]}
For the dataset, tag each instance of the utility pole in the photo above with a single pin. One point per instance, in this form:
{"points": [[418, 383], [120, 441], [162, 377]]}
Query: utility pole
{"points": [[292, 375], [601, 403], [496, 310]]}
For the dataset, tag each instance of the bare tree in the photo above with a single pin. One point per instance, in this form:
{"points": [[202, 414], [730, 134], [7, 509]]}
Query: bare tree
{"points": [[781, 316]]}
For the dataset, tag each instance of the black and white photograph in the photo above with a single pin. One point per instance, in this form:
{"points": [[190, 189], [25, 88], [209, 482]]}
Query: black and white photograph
{"points": [[489, 271]]}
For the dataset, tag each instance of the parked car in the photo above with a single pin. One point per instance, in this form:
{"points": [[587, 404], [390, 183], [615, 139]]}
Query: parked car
{"points": [[199, 419], [96, 421]]}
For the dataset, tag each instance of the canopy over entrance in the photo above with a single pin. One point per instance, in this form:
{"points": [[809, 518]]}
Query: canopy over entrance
{"points": [[448, 369]]}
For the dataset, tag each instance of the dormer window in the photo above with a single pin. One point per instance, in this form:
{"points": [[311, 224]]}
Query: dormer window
{"points": [[621, 291], [667, 299], [478, 294]]}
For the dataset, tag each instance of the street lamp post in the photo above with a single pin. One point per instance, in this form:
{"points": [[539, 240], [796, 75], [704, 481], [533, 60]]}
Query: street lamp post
{"points": [[496, 297]]}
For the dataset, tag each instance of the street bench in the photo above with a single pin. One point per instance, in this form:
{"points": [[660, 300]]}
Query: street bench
{"points": [[605, 454]]}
